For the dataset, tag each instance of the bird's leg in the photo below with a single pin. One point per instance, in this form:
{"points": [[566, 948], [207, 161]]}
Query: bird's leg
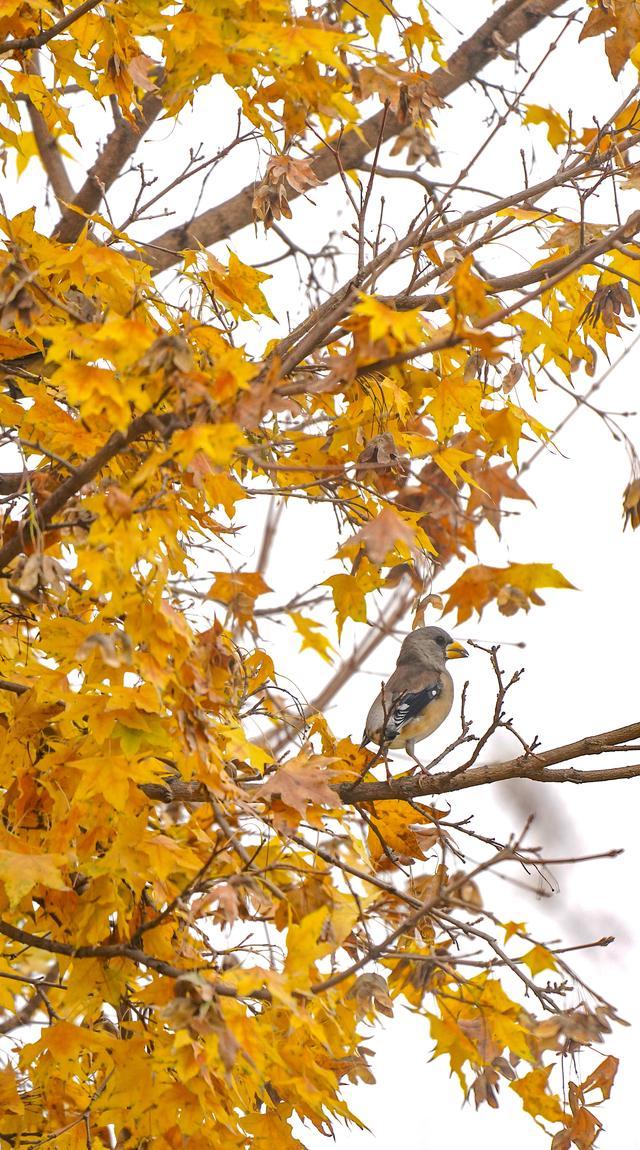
{"points": [[410, 749], [385, 754]]}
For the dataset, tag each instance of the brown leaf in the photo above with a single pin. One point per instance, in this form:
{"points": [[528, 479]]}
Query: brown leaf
{"points": [[380, 535], [419, 145], [510, 600], [168, 353], [371, 993], [40, 571], [118, 503], [602, 1077], [380, 451], [631, 504], [141, 70], [511, 378], [301, 781]]}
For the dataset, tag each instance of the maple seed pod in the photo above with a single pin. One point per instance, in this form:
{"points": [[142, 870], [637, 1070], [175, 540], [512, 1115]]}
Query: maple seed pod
{"points": [[631, 504]]}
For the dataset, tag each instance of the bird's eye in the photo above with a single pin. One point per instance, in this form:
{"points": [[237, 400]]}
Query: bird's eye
{"points": [[441, 640]]}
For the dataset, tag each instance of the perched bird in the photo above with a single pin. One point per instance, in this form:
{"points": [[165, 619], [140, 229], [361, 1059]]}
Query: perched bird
{"points": [[418, 696]]}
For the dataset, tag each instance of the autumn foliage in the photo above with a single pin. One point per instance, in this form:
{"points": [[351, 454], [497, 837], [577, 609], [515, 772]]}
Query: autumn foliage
{"points": [[207, 896]]}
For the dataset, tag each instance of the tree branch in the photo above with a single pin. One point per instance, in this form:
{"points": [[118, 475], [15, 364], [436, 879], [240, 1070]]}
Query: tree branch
{"points": [[83, 474], [536, 766], [13, 688], [121, 144], [117, 950], [48, 150], [28, 42], [506, 26]]}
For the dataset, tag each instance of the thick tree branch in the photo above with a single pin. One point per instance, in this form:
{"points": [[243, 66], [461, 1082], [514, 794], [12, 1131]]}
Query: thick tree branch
{"points": [[506, 26], [537, 766], [121, 144], [13, 688], [83, 474], [13, 482], [48, 150]]}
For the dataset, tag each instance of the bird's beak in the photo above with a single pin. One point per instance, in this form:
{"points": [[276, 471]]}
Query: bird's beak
{"points": [[456, 651]]}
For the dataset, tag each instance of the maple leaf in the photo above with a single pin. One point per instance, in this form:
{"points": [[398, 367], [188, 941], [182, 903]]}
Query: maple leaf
{"points": [[556, 125], [301, 781], [399, 830], [384, 534], [239, 591], [477, 586], [470, 290], [602, 1077], [623, 22], [313, 637], [492, 485], [538, 959], [237, 286], [403, 326], [536, 1099], [450, 1039], [21, 872], [349, 599], [511, 928]]}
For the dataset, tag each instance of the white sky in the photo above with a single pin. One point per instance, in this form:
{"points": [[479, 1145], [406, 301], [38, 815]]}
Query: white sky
{"points": [[580, 650]]}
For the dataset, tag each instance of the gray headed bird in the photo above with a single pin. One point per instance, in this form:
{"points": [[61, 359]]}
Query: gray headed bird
{"points": [[418, 696]]}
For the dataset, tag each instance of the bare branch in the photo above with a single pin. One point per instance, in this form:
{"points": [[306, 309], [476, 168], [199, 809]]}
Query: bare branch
{"points": [[121, 144], [527, 766]]}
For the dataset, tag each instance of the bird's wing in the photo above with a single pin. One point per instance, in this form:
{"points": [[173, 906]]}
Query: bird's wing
{"points": [[409, 705], [406, 695]]}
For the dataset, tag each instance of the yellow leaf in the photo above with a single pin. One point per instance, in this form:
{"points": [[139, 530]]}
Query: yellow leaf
{"points": [[539, 958], [451, 1040], [557, 126], [503, 428], [348, 598], [510, 928], [237, 287], [450, 460], [526, 214], [536, 1099], [404, 326], [470, 290], [259, 669], [305, 945], [13, 348], [218, 441], [20, 873], [313, 637], [478, 585], [394, 824], [455, 397]]}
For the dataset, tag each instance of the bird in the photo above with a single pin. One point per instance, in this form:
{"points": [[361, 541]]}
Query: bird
{"points": [[418, 696]]}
